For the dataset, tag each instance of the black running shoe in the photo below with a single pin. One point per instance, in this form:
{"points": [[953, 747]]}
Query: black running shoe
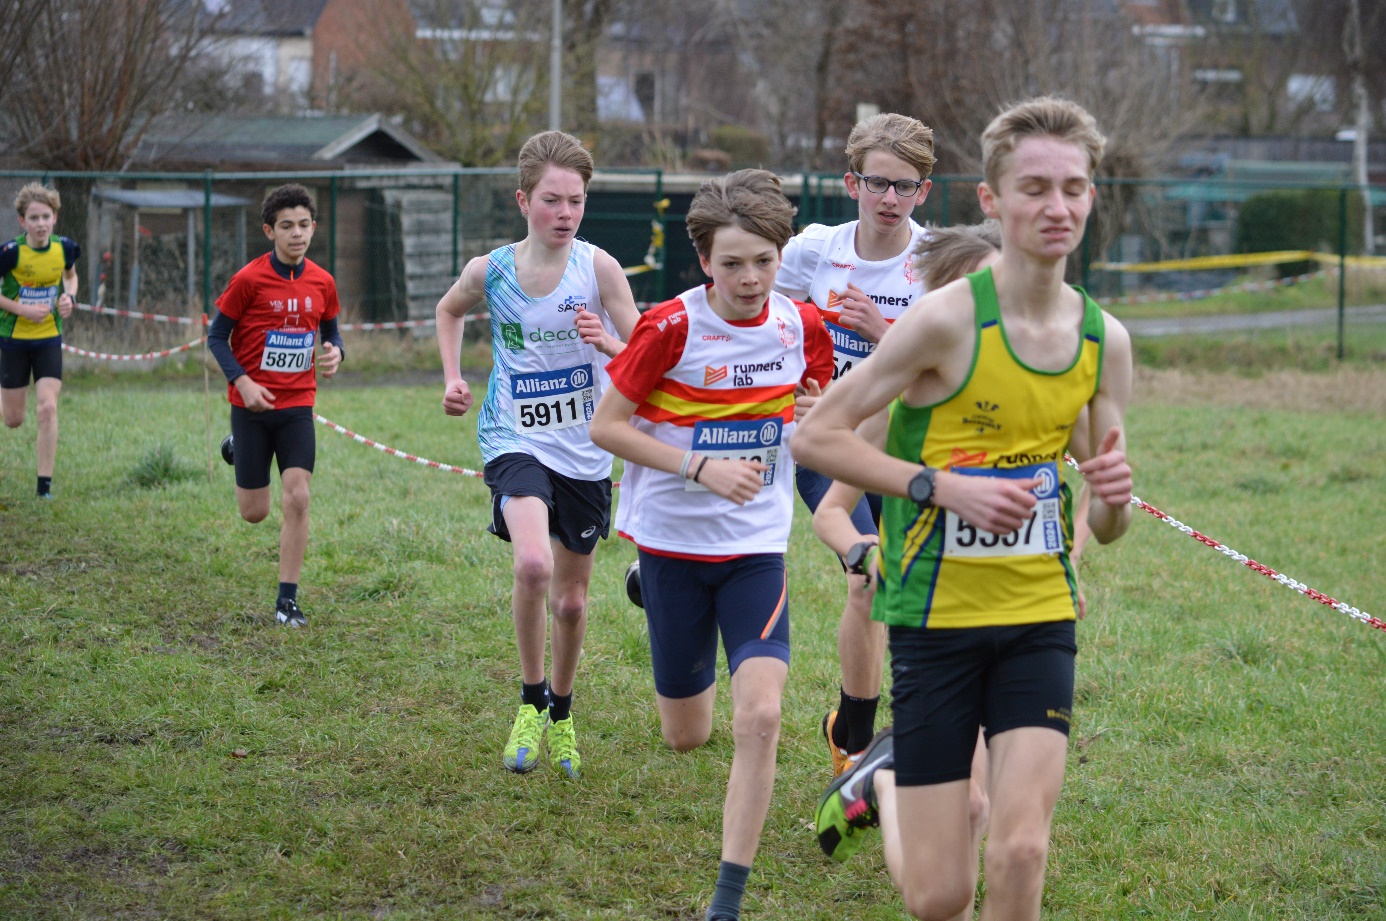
{"points": [[288, 613], [633, 585], [228, 449]]}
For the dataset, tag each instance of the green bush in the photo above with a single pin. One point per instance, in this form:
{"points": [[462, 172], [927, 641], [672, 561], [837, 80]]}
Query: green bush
{"points": [[746, 146], [1297, 219]]}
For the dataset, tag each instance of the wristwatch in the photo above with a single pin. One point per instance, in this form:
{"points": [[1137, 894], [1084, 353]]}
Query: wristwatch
{"points": [[921, 489], [857, 557]]}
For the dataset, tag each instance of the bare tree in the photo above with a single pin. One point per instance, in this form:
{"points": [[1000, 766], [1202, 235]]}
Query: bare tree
{"points": [[469, 79], [93, 77], [17, 24]]}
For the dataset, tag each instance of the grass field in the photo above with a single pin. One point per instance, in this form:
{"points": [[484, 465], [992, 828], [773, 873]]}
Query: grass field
{"points": [[168, 753]]}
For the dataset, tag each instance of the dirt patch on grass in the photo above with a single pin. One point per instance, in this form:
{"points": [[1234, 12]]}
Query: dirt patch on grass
{"points": [[1342, 390]]}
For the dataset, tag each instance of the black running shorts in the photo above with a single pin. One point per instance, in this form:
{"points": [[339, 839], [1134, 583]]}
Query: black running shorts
{"points": [[284, 434], [947, 683], [579, 510]]}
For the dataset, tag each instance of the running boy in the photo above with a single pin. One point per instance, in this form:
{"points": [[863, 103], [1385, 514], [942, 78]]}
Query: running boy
{"points": [[861, 276], [984, 378], [271, 318], [554, 301], [38, 289], [702, 408]]}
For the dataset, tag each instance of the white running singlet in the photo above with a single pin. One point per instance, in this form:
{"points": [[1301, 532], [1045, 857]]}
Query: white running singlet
{"points": [[545, 382], [819, 263]]}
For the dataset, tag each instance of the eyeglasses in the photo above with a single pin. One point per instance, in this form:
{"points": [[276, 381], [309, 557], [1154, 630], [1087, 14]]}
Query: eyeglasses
{"points": [[905, 188]]}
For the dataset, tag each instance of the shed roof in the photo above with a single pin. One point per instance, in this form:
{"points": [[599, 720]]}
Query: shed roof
{"points": [[263, 140]]}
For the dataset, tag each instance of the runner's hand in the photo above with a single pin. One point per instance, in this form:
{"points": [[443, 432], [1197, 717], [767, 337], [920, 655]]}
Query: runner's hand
{"points": [[805, 397], [65, 304], [1107, 474], [457, 398], [331, 358], [861, 315], [988, 503], [590, 328], [256, 397], [737, 480]]}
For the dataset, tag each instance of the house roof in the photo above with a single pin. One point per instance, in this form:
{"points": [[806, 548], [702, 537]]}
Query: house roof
{"points": [[264, 141], [266, 17]]}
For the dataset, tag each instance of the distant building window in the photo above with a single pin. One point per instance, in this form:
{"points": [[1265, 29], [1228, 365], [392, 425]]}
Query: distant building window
{"points": [[1218, 75], [1316, 90]]}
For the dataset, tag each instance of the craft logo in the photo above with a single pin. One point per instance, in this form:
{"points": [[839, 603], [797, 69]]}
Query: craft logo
{"points": [[843, 265], [961, 458], [713, 375], [720, 337], [513, 337], [787, 335]]}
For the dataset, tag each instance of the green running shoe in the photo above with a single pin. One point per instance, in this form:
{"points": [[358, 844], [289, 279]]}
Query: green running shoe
{"points": [[563, 753], [848, 806], [522, 751]]}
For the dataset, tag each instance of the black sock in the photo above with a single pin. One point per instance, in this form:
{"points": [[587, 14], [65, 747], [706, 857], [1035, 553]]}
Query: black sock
{"points": [[855, 723], [726, 898], [288, 591], [536, 695], [45, 485], [560, 706]]}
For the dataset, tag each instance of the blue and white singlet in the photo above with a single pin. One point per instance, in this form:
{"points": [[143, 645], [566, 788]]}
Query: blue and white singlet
{"points": [[545, 382]]}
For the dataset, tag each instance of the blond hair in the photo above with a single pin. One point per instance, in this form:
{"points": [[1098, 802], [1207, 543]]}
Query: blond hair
{"points": [[946, 254], [749, 199], [907, 138], [1043, 116], [553, 148], [37, 192]]}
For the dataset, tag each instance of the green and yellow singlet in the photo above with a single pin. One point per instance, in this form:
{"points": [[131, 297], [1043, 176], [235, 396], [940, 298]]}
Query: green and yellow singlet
{"points": [[1006, 420], [35, 276]]}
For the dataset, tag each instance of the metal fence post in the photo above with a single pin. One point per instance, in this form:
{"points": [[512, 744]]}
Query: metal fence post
{"points": [[943, 205], [332, 216], [1342, 266], [456, 219], [662, 256], [206, 242]]}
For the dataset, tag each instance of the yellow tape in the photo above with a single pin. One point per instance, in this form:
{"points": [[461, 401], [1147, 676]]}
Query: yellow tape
{"points": [[1240, 260], [1229, 261], [638, 270]]}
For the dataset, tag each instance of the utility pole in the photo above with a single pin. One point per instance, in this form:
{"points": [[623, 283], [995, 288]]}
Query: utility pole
{"points": [[556, 69], [1353, 51]]}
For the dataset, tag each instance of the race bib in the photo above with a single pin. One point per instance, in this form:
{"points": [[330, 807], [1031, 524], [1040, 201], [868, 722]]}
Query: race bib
{"points": [[287, 351], [47, 298], [1042, 533], [849, 348], [740, 439], [546, 401]]}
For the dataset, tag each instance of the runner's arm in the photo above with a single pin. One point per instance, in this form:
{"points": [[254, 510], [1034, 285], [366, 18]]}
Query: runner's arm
{"points": [[465, 295], [617, 301], [1107, 474], [832, 521], [918, 344]]}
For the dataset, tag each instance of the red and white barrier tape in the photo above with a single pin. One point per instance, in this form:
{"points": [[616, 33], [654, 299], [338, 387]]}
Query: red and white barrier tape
{"points": [[1320, 597], [147, 355], [1205, 293], [408, 324], [343, 430], [1294, 584], [157, 317]]}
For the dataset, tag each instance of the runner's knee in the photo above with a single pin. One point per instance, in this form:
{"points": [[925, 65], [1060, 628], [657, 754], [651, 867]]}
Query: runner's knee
{"points": [[570, 606], [1016, 856], [936, 899], [685, 738], [756, 720], [533, 572]]}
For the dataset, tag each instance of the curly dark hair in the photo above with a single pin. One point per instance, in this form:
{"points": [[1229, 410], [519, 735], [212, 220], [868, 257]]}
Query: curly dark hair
{"points": [[292, 195]]}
